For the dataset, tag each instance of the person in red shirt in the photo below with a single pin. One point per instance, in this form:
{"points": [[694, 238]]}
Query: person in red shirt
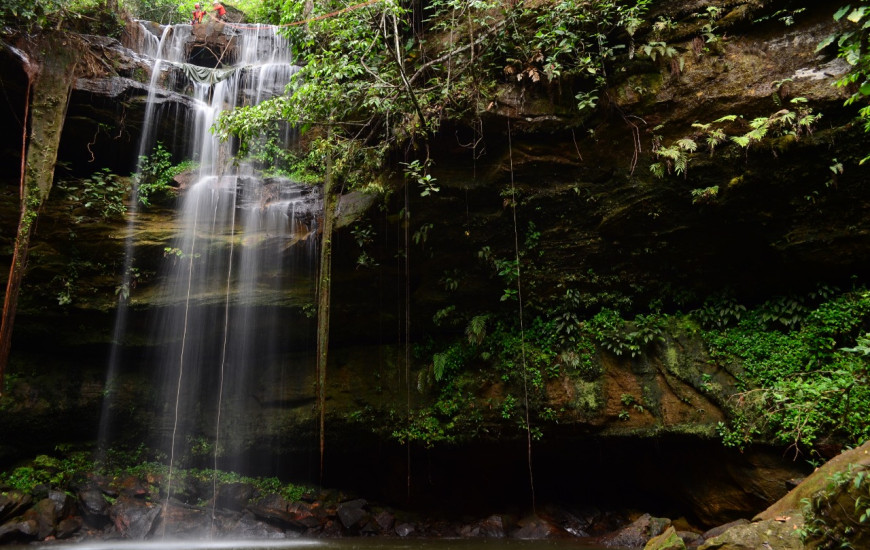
{"points": [[198, 14], [220, 12]]}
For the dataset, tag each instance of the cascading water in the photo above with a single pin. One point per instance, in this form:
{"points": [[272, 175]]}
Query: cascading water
{"points": [[240, 263]]}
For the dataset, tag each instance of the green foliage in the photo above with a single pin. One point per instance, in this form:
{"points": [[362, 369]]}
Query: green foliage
{"points": [[572, 38], [619, 336], [102, 194], [162, 11], [674, 158], [155, 175], [719, 311], [419, 172], [796, 120], [785, 122], [809, 383], [364, 236], [852, 45], [784, 16], [47, 470], [451, 418], [378, 84], [657, 50], [839, 515], [707, 195], [58, 470], [86, 16]]}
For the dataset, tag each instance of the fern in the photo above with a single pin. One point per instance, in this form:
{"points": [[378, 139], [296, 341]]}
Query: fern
{"points": [[476, 329], [439, 365]]}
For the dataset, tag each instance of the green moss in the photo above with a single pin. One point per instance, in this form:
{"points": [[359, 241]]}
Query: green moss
{"points": [[588, 396]]}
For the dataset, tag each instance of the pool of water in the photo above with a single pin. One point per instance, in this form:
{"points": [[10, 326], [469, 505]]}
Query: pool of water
{"points": [[331, 544]]}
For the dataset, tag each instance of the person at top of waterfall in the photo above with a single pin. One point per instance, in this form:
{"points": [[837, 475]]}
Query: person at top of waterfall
{"points": [[198, 14], [220, 12]]}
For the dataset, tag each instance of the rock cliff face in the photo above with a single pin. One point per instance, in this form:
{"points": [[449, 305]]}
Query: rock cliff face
{"points": [[592, 221]]}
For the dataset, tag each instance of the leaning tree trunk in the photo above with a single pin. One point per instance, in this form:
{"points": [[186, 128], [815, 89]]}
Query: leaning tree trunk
{"points": [[49, 79], [323, 294]]}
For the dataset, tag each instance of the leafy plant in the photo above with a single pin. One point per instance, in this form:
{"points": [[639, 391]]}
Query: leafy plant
{"points": [[674, 158], [619, 336], [838, 515], [852, 47], [155, 174], [101, 193], [706, 195], [806, 382], [419, 172]]}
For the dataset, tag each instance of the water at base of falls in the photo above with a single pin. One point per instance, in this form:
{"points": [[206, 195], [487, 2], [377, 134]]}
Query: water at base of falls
{"points": [[333, 544], [219, 350]]}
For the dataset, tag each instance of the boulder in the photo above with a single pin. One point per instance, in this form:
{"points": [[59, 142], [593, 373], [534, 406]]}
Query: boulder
{"points": [[691, 539], [669, 540], [385, 520], [352, 513], [94, 507], [638, 533], [68, 527], [716, 531], [44, 514], [275, 509], [132, 486], [13, 503], [836, 502], [182, 521], [63, 503], [247, 526], [234, 496], [491, 527], [405, 529], [817, 482], [577, 523], [18, 530], [535, 528], [766, 535], [134, 518]]}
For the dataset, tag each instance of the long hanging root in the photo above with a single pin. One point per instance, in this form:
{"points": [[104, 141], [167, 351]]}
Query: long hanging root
{"points": [[522, 330]]}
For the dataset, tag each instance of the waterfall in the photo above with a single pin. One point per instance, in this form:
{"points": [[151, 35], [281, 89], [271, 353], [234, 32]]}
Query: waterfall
{"points": [[240, 267]]}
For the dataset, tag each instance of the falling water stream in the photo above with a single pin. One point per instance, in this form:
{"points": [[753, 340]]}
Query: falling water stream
{"points": [[241, 260]]}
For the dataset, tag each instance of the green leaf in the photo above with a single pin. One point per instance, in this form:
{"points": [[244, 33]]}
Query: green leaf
{"points": [[841, 12], [826, 42], [742, 141], [857, 14]]}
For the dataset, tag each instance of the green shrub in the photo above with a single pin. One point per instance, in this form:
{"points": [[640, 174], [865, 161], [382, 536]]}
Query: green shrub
{"points": [[803, 384], [102, 193], [155, 175]]}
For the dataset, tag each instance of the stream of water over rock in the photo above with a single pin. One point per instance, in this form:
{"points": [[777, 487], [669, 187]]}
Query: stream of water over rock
{"points": [[240, 260]]}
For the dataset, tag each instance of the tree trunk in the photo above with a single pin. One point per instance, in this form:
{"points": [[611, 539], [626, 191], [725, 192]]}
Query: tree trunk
{"points": [[323, 294], [50, 78]]}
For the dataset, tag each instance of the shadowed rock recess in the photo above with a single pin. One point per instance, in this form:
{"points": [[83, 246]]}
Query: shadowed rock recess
{"points": [[614, 429]]}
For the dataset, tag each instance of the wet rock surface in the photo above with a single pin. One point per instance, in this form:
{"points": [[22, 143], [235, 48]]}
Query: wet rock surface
{"points": [[134, 515]]}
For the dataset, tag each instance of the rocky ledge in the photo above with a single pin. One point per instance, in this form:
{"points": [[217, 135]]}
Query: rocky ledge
{"points": [[134, 508]]}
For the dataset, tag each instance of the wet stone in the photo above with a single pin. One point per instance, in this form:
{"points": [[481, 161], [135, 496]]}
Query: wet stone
{"points": [[352, 513], [45, 515], [13, 503], [385, 520], [63, 503], [638, 533], [68, 527], [133, 518], [405, 529], [234, 496]]}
